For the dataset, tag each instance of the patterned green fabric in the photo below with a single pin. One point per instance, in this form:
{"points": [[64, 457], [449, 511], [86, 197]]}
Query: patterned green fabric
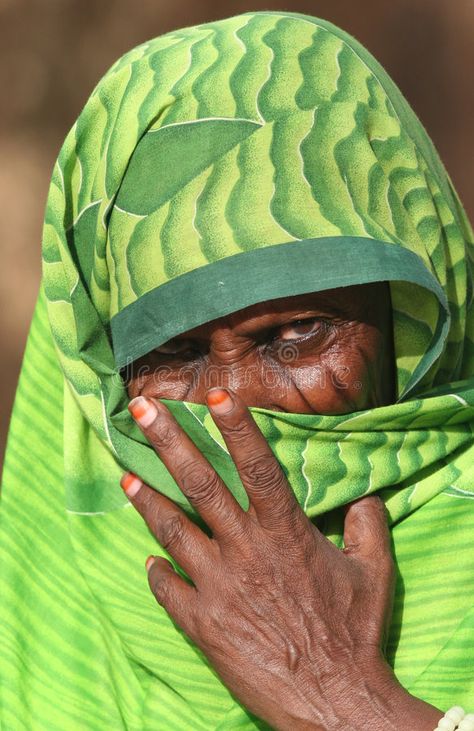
{"points": [[217, 166]]}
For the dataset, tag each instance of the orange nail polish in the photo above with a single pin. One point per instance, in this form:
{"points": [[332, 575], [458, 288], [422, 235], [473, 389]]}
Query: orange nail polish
{"points": [[143, 411], [219, 400], [130, 484], [149, 562]]}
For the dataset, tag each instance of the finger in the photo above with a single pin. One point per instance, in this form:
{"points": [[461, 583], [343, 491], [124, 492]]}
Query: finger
{"points": [[176, 533], [268, 490], [366, 533], [367, 537], [176, 596], [190, 469]]}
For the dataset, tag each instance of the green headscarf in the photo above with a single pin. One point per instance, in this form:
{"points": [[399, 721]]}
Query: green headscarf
{"points": [[214, 167]]}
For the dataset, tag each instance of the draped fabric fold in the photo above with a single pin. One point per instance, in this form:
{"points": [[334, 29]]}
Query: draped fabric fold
{"points": [[214, 167]]}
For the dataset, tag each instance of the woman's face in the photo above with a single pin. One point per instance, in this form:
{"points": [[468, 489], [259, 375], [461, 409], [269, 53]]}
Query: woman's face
{"points": [[326, 352]]}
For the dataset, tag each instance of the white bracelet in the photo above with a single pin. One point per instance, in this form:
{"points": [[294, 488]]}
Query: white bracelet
{"points": [[456, 719]]}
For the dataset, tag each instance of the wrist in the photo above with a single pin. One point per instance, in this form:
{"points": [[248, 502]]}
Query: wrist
{"points": [[375, 699], [367, 699], [393, 705]]}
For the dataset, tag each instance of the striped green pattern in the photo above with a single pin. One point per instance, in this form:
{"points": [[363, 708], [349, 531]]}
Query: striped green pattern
{"points": [[201, 153]]}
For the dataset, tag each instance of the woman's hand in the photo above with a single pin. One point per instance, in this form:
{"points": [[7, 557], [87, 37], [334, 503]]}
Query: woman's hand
{"points": [[293, 625]]}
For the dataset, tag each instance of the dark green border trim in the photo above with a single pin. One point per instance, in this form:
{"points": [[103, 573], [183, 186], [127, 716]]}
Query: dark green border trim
{"points": [[281, 270]]}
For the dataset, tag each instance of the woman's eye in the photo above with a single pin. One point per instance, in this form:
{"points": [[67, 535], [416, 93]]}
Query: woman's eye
{"points": [[301, 328], [177, 347]]}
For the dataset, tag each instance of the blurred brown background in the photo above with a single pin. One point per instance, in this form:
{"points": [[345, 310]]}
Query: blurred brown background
{"points": [[54, 51]]}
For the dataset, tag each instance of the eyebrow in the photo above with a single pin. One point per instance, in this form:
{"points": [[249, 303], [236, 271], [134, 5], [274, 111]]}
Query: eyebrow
{"points": [[263, 323], [270, 321]]}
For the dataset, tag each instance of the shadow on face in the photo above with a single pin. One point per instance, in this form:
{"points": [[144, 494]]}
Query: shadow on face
{"points": [[327, 352]]}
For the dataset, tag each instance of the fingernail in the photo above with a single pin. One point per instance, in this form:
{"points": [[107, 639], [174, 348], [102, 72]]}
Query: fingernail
{"points": [[149, 562], [219, 400], [143, 411], [130, 484]]}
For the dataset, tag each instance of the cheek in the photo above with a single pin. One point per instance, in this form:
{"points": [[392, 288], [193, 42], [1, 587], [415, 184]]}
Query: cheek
{"points": [[331, 387], [161, 381], [346, 377]]}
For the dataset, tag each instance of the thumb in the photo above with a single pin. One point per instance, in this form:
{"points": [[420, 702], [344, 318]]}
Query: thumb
{"points": [[366, 533]]}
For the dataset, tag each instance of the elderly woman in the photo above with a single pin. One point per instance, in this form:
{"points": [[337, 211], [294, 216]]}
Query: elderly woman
{"points": [[252, 248]]}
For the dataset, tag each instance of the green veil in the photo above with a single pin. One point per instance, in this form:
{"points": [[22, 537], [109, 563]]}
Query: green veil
{"points": [[213, 167]]}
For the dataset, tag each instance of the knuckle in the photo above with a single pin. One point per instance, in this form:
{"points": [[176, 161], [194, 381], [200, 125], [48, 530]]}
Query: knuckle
{"points": [[201, 484], [239, 432], [171, 531], [161, 590], [147, 504], [167, 435], [263, 471]]}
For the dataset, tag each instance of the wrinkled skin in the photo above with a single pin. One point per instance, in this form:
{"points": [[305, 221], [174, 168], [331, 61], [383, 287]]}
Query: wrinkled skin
{"points": [[294, 626], [328, 352]]}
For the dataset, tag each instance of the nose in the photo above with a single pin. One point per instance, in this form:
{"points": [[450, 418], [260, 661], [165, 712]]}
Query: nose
{"points": [[237, 374], [234, 361], [253, 383]]}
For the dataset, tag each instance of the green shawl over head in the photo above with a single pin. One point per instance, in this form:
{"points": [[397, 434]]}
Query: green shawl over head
{"points": [[257, 157]]}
